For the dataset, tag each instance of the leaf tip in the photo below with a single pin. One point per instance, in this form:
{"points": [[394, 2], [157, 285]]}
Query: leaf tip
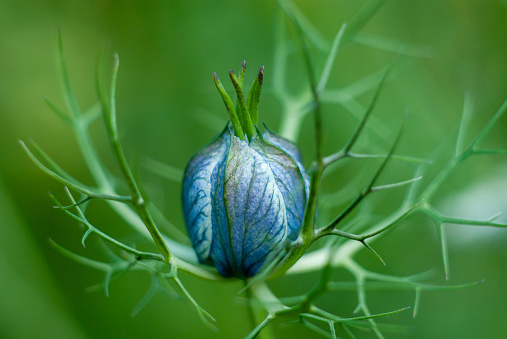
{"points": [[261, 75]]}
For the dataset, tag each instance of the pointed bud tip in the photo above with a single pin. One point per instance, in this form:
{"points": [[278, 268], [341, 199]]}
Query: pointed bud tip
{"points": [[233, 77], [261, 74], [243, 64]]}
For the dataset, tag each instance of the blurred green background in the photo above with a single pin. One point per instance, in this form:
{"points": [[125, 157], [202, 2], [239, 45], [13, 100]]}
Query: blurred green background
{"points": [[168, 108]]}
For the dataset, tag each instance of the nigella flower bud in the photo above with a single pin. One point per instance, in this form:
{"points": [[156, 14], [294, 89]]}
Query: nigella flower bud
{"points": [[243, 200]]}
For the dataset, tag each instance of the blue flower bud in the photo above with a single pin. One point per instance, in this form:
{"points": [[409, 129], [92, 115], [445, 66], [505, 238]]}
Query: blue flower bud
{"points": [[244, 200]]}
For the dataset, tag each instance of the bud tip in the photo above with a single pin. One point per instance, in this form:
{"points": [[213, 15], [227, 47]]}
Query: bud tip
{"points": [[261, 74]]}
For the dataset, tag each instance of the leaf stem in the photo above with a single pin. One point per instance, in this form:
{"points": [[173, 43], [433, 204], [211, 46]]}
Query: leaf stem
{"points": [[308, 227], [104, 236], [109, 111], [365, 191], [70, 183]]}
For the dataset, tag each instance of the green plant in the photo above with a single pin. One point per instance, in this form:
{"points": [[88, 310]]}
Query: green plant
{"points": [[173, 257]]}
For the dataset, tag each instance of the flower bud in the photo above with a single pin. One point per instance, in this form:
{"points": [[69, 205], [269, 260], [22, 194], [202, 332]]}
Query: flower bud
{"points": [[243, 201]]}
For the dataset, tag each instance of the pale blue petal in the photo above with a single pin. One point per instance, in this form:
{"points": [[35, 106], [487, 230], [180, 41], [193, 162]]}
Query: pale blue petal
{"points": [[289, 179], [196, 195], [221, 251], [282, 143], [291, 149], [255, 211]]}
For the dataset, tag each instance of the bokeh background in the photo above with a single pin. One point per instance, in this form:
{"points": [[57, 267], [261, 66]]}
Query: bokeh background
{"points": [[168, 108]]}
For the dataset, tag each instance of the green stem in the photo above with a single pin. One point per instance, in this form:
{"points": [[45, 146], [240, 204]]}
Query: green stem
{"points": [[271, 304], [70, 182], [489, 125], [452, 165], [250, 305], [78, 122], [257, 331], [109, 111], [307, 233], [444, 174], [83, 220], [256, 315]]}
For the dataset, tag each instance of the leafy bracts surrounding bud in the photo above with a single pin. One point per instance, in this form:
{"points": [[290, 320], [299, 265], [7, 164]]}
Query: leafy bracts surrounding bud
{"points": [[244, 195], [243, 201]]}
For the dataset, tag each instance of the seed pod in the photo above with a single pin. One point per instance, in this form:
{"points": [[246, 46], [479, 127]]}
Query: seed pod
{"points": [[243, 200]]}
